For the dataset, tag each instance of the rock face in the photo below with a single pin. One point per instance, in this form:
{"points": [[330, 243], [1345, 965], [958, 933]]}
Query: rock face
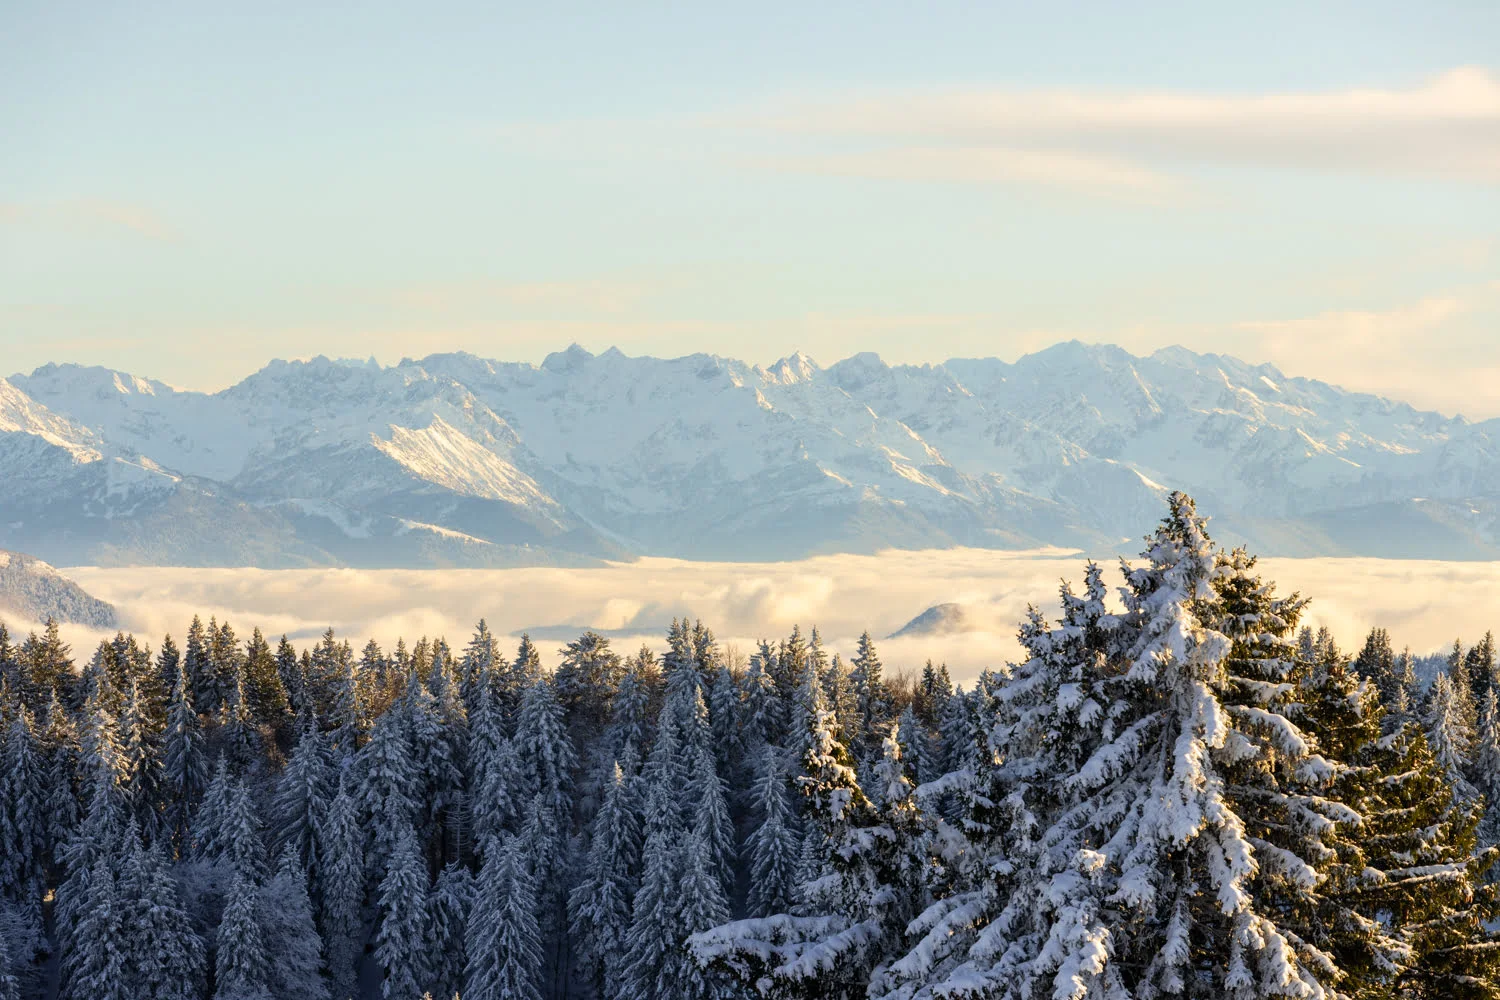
{"points": [[35, 591], [457, 460]]}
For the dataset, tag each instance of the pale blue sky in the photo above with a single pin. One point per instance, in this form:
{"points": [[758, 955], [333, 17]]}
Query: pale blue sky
{"points": [[187, 190]]}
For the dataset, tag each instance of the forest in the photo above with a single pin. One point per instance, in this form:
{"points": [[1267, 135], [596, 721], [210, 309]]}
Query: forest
{"points": [[1179, 790]]}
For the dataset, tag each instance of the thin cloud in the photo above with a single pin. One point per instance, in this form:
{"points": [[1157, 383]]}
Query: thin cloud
{"points": [[589, 295], [92, 215], [1102, 175], [1448, 127]]}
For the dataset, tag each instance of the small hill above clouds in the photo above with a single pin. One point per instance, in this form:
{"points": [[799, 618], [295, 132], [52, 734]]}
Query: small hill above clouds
{"points": [[456, 460], [34, 591], [940, 619]]}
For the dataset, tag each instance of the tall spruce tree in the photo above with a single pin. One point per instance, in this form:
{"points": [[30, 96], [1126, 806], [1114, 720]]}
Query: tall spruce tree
{"points": [[341, 887], [242, 968], [776, 845], [504, 945], [448, 909], [400, 938], [599, 905], [291, 938]]}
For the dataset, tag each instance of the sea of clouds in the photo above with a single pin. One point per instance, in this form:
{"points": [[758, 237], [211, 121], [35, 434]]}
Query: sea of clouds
{"points": [[1424, 604]]}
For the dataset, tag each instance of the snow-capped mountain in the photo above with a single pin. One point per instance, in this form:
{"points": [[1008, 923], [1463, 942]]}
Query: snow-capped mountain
{"points": [[458, 460], [35, 591]]}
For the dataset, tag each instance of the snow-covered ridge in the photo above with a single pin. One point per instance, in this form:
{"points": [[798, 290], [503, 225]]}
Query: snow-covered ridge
{"points": [[34, 591], [587, 456]]}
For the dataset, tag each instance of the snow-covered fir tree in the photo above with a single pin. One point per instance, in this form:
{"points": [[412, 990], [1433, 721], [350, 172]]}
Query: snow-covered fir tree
{"points": [[776, 845], [291, 938], [504, 945], [448, 908], [599, 905], [400, 939], [341, 887], [242, 968]]}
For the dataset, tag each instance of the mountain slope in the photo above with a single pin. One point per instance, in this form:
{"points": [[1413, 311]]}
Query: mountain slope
{"points": [[458, 460], [35, 591]]}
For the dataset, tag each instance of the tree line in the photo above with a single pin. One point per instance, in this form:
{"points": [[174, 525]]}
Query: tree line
{"points": [[1179, 791]]}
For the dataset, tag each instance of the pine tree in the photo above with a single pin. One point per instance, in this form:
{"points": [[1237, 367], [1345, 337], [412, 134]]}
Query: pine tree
{"points": [[599, 905], [213, 814], [23, 833], [1479, 665], [1400, 891], [701, 906], [95, 964], [140, 760], [400, 938], [495, 775], [724, 721], [341, 887], [843, 701], [1449, 732], [164, 957], [1174, 854], [390, 787], [292, 677], [922, 761], [184, 769], [546, 752], [586, 680], [61, 805], [760, 710], [711, 820], [10, 982], [239, 839], [871, 700], [652, 942], [264, 691], [195, 658], [524, 671], [1375, 663], [504, 945], [242, 967], [776, 844], [480, 665], [629, 716], [846, 921], [447, 927], [291, 939], [302, 795], [1485, 770]]}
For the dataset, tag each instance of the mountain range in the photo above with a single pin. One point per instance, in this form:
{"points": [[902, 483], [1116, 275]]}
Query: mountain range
{"points": [[455, 460]]}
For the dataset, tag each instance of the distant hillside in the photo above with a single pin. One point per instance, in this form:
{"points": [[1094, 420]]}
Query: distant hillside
{"points": [[454, 460], [33, 590]]}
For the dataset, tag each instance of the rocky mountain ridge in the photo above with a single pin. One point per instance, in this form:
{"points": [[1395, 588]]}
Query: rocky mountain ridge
{"points": [[455, 460]]}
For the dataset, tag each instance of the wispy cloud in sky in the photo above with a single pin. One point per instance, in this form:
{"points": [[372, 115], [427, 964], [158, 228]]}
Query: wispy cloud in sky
{"points": [[1093, 173], [1114, 142], [92, 215]]}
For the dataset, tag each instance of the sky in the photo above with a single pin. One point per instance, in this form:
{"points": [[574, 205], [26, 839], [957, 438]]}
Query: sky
{"points": [[188, 190]]}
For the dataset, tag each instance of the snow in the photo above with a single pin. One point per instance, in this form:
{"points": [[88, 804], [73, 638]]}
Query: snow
{"points": [[440, 453], [409, 525], [1072, 446]]}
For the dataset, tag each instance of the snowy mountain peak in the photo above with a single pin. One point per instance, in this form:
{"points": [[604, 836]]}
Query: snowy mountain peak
{"points": [[568, 361], [702, 456]]}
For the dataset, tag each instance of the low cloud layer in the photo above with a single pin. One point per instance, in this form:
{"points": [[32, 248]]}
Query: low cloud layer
{"points": [[1424, 604]]}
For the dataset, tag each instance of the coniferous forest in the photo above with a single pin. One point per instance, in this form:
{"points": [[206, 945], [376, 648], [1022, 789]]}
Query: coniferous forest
{"points": [[1180, 791]]}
